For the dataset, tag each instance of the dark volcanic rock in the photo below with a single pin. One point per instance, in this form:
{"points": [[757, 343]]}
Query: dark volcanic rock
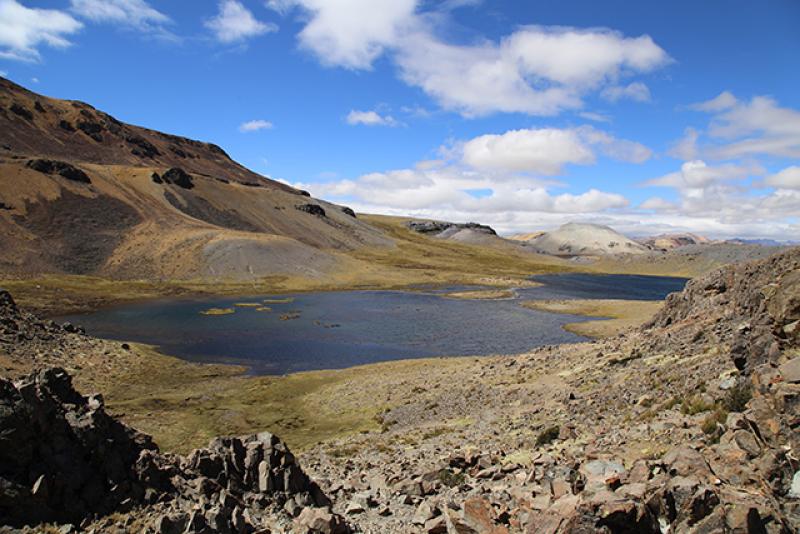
{"points": [[4, 206], [179, 177], [66, 125], [156, 178], [92, 129], [66, 170], [313, 209], [349, 211], [22, 111], [142, 147], [62, 458], [435, 227]]}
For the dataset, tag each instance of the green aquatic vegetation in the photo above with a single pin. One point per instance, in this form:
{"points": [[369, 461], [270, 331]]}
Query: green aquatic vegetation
{"points": [[218, 311], [286, 300]]}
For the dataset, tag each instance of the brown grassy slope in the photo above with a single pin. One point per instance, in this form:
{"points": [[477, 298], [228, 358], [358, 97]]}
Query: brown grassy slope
{"points": [[34, 124], [230, 224]]}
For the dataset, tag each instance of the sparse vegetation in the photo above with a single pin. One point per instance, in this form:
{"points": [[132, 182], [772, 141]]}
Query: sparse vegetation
{"points": [[737, 397], [620, 314], [450, 478], [695, 405], [218, 311], [548, 435]]}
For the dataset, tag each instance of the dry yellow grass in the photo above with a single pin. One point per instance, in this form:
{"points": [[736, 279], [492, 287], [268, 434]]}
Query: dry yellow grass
{"points": [[481, 294], [621, 314]]}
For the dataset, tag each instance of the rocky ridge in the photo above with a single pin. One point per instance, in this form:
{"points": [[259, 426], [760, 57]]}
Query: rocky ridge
{"points": [[64, 460], [688, 425]]}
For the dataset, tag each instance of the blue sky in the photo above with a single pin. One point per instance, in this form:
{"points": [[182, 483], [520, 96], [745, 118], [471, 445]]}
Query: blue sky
{"points": [[650, 116]]}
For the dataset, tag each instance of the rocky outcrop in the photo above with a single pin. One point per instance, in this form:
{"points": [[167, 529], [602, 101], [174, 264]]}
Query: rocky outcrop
{"points": [[437, 227], [758, 305], [179, 177], [64, 460], [313, 209], [63, 169]]}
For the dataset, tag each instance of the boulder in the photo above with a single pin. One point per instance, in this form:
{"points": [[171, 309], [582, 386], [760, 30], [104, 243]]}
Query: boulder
{"points": [[313, 209], [179, 177], [63, 169]]}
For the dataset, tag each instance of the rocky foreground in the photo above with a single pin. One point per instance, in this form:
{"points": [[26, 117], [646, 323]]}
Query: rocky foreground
{"points": [[689, 424]]}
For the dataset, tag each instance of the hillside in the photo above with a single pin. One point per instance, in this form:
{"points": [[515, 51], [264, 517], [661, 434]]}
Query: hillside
{"points": [[82, 193], [688, 423], [580, 239]]}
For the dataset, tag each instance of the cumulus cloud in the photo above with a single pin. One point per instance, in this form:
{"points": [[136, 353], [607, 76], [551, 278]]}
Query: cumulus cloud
{"points": [[545, 151], [695, 174], [535, 70], [235, 23], [370, 118], [23, 30], [636, 91], [136, 14], [255, 125], [788, 178], [512, 171], [740, 129], [350, 33]]}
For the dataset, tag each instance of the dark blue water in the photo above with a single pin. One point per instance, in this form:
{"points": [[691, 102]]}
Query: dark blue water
{"points": [[334, 330], [341, 329], [603, 286]]}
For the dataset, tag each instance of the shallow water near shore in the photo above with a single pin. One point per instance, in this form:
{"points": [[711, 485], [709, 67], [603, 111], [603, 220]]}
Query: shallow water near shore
{"points": [[291, 333]]}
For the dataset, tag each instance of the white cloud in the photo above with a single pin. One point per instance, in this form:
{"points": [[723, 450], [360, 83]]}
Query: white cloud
{"points": [[686, 147], [3, 73], [255, 125], [788, 178], [544, 151], [697, 174], [619, 149], [593, 116], [23, 30], [658, 204], [723, 101], [350, 33], [534, 70], [636, 91], [234, 22], [370, 118], [136, 14], [743, 129]]}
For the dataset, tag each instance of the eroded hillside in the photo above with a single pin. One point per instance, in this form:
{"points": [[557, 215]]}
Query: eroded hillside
{"points": [[82, 193]]}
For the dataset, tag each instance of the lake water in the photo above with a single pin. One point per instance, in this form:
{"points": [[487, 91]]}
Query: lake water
{"points": [[341, 329]]}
